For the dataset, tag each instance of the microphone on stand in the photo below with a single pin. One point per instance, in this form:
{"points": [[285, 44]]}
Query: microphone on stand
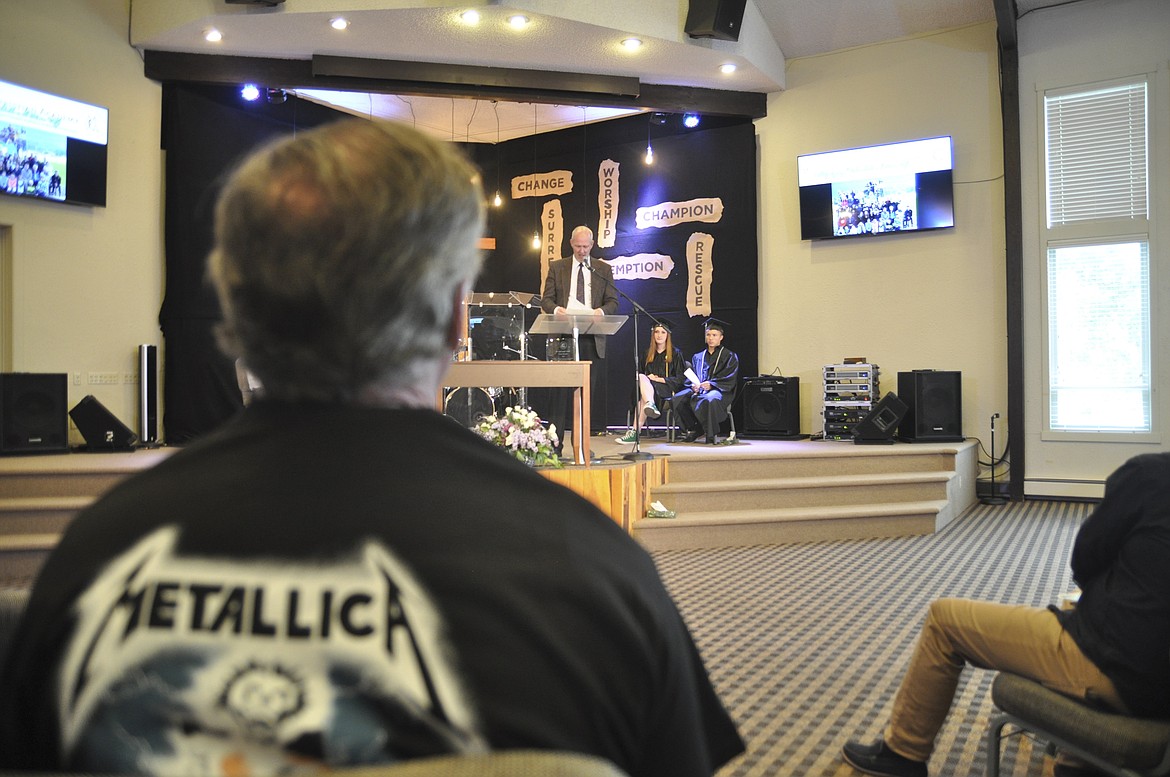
{"points": [[522, 354], [593, 271]]}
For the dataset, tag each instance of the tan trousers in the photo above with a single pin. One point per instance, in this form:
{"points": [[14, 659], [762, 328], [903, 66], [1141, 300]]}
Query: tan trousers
{"points": [[1027, 641]]}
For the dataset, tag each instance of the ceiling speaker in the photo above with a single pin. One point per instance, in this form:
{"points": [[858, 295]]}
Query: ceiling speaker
{"points": [[715, 19]]}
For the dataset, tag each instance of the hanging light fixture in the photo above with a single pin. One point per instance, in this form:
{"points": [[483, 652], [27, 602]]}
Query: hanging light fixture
{"points": [[498, 201], [584, 148], [536, 210], [649, 148]]}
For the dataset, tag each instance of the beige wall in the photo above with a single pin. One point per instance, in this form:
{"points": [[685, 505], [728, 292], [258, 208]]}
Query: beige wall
{"points": [[86, 283], [924, 301]]}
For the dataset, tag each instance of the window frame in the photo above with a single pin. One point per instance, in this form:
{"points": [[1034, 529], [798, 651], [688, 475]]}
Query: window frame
{"points": [[1090, 232]]}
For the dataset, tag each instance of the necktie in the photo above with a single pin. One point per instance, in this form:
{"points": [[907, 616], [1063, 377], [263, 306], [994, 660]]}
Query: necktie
{"points": [[581, 282]]}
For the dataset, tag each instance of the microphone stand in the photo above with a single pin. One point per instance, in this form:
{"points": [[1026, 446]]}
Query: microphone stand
{"points": [[636, 454], [994, 499]]}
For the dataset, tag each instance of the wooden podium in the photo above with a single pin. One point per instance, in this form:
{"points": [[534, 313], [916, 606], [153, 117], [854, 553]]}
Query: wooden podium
{"points": [[531, 374]]}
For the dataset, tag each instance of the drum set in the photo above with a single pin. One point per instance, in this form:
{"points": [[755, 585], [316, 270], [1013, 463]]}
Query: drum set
{"points": [[470, 405], [495, 330]]}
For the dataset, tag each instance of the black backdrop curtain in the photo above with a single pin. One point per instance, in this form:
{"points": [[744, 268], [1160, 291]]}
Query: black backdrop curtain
{"points": [[208, 129], [718, 159]]}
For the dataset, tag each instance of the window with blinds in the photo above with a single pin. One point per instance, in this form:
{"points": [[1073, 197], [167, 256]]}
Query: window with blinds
{"points": [[1098, 278], [1096, 154]]}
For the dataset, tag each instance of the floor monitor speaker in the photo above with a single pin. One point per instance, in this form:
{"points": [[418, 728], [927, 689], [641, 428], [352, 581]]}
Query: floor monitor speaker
{"points": [[879, 426], [100, 428], [935, 406], [715, 19], [771, 407], [32, 413]]}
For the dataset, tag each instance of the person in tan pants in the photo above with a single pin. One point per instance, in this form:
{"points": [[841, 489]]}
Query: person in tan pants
{"points": [[1109, 650]]}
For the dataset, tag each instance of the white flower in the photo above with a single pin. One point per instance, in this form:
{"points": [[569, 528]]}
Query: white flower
{"points": [[521, 431]]}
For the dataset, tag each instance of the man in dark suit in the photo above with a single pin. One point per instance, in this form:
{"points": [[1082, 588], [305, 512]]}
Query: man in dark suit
{"points": [[581, 284]]}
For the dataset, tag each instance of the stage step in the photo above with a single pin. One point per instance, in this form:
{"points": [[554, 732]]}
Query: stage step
{"points": [[830, 490], [735, 528], [41, 494], [768, 492], [39, 514]]}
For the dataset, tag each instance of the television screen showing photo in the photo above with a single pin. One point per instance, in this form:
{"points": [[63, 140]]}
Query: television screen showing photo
{"points": [[896, 187], [51, 147]]}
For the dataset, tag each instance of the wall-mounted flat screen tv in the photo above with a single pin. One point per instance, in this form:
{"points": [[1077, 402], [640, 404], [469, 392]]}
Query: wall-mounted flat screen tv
{"points": [[876, 190], [51, 147]]}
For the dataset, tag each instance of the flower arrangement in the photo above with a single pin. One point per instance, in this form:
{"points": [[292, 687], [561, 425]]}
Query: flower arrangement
{"points": [[522, 434]]}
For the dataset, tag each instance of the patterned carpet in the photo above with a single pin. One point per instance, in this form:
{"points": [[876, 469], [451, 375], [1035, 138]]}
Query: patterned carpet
{"points": [[806, 643]]}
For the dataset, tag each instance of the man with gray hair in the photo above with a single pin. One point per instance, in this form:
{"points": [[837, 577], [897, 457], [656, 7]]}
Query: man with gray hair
{"points": [[341, 575]]}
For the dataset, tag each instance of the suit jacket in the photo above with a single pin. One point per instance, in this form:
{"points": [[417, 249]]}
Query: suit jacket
{"points": [[603, 294]]}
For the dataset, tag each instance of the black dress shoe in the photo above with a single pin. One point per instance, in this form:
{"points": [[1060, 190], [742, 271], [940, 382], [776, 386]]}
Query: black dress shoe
{"points": [[693, 435], [710, 440], [880, 760]]}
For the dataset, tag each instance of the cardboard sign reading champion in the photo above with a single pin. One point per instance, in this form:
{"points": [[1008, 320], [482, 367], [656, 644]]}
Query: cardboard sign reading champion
{"points": [[668, 214]]}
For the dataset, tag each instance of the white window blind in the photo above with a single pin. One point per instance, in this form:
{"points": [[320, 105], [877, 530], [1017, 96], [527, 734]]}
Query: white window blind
{"points": [[1099, 337], [1096, 143]]}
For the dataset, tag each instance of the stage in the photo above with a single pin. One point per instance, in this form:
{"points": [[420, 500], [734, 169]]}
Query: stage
{"points": [[755, 491], [749, 492]]}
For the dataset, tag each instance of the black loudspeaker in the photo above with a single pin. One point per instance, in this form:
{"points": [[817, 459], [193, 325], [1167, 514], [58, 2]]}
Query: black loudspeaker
{"points": [[935, 400], [32, 413], [879, 426], [148, 394], [100, 428], [771, 407], [715, 19]]}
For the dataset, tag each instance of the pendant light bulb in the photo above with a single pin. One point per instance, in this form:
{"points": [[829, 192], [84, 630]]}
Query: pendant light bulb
{"points": [[498, 201], [649, 155], [536, 240]]}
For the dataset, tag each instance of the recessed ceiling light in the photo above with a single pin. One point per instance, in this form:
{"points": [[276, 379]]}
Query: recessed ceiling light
{"points": [[339, 23], [518, 21], [470, 17], [212, 35], [632, 44], [727, 68]]}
